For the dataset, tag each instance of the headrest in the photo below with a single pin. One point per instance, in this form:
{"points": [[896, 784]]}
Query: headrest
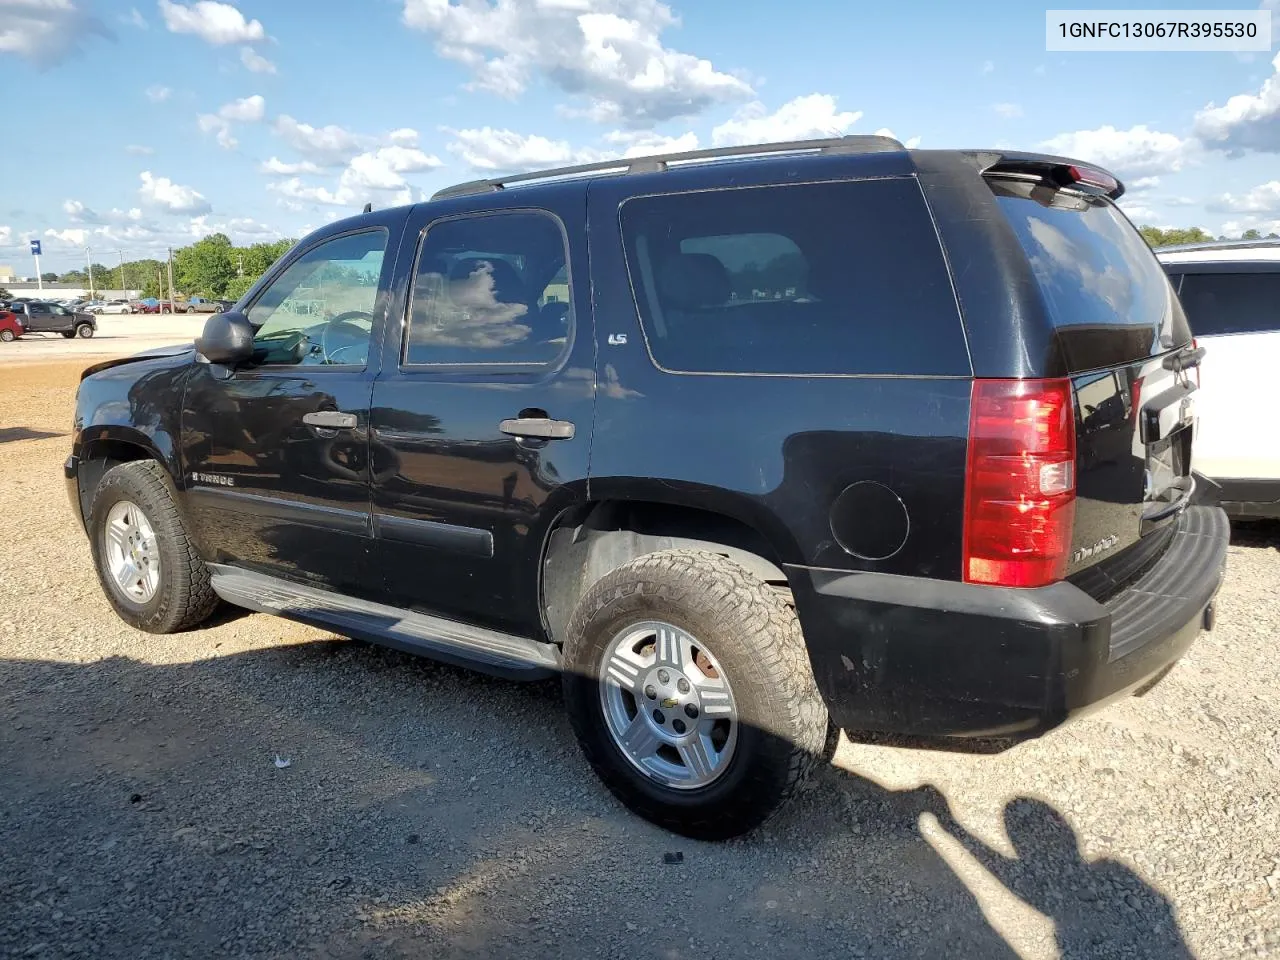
{"points": [[690, 280]]}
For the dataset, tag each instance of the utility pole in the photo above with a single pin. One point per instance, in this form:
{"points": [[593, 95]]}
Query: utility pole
{"points": [[240, 272], [123, 289], [171, 299], [88, 260]]}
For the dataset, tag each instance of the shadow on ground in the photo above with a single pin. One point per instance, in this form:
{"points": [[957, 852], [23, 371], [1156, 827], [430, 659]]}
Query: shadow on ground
{"points": [[1255, 533], [427, 811], [10, 434]]}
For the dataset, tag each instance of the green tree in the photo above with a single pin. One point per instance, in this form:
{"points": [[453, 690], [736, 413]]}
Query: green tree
{"points": [[206, 267], [49, 277], [239, 286], [1251, 235], [1164, 238], [5, 294]]}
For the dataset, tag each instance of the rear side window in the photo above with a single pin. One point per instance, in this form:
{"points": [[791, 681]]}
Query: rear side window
{"points": [[1105, 292], [828, 278], [490, 289], [1225, 303]]}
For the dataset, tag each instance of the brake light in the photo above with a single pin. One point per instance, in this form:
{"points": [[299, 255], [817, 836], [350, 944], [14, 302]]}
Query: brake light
{"points": [[1091, 177], [1020, 491]]}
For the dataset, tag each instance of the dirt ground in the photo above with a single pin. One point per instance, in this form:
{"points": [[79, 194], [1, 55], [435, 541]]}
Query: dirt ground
{"points": [[258, 788]]}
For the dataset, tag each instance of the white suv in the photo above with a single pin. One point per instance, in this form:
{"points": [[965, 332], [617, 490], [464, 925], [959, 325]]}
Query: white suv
{"points": [[1231, 294]]}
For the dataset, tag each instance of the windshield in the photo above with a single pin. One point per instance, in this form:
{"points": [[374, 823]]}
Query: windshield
{"points": [[1103, 288]]}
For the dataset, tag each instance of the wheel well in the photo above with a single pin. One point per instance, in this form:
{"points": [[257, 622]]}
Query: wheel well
{"points": [[591, 540], [100, 456]]}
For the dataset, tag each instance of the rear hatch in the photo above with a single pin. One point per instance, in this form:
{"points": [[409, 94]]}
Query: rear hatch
{"points": [[1132, 365]]}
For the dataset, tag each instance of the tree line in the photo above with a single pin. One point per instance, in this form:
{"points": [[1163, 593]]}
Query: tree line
{"points": [[1166, 238], [212, 267]]}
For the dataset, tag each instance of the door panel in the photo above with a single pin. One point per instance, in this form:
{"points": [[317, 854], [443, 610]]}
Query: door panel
{"points": [[276, 456], [495, 331]]}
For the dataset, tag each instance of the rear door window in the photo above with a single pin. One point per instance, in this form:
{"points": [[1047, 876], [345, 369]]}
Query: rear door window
{"points": [[1225, 303], [1105, 292], [830, 278]]}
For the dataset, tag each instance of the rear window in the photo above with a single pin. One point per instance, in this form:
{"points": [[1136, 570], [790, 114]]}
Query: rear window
{"points": [[1105, 292], [829, 278], [1225, 303]]}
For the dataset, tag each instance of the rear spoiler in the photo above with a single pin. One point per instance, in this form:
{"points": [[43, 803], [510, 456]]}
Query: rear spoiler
{"points": [[1061, 171]]}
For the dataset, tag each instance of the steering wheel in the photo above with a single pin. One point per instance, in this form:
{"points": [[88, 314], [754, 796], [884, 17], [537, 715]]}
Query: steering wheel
{"points": [[357, 333]]}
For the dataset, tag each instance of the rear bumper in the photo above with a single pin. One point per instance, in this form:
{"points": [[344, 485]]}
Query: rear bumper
{"points": [[938, 658]]}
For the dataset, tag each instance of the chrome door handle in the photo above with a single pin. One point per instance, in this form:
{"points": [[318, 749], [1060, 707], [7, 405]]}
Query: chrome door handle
{"points": [[330, 419], [538, 428]]}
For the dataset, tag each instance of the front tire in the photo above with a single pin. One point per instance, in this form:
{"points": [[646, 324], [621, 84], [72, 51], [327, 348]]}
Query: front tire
{"points": [[84, 331], [688, 685], [144, 558], [6, 336]]}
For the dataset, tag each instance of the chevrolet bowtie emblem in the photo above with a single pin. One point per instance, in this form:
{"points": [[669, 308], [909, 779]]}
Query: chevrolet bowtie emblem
{"points": [[670, 702]]}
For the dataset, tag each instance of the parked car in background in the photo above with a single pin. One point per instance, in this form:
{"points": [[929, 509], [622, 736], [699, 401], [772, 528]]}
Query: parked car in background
{"points": [[41, 317], [201, 305], [152, 305], [113, 306], [12, 326], [1231, 294]]}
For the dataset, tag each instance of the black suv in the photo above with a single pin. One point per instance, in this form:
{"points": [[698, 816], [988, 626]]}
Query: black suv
{"points": [[746, 445]]}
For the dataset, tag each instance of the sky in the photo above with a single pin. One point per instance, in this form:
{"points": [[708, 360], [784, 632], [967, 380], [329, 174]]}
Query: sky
{"points": [[135, 125]]}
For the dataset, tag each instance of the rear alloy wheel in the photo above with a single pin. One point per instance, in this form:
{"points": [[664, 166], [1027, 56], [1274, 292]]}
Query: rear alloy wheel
{"points": [[689, 687], [147, 565], [84, 331], [7, 336]]}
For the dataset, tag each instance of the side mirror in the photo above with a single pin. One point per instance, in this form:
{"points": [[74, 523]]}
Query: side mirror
{"points": [[227, 338]]}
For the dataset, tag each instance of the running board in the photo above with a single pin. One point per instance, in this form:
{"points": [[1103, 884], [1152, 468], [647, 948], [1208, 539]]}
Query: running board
{"points": [[499, 654]]}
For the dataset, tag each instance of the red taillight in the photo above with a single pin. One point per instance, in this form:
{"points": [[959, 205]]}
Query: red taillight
{"points": [[1020, 491], [1092, 178]]}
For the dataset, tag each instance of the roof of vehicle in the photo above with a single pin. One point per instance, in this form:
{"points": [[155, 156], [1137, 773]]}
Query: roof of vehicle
{"points": [[1220, 251]]}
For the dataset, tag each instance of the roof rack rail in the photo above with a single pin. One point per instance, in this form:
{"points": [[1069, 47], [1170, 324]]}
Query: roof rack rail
{"points": [[854, 143]]}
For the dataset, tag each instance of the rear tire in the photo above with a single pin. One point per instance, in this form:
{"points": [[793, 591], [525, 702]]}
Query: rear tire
{"points": [[779, 726], [181, 597], [84, 331], [69, 334], [7, 336]]}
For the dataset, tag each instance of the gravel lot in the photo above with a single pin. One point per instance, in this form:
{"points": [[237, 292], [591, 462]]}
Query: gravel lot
{"points": [[426, 811]]}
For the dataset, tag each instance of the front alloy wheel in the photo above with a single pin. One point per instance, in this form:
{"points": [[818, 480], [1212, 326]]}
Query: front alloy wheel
{"points": [[130, 551]]}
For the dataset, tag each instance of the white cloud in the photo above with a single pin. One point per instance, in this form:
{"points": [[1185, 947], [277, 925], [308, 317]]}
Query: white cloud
{"points": [[46, 31], [216, 23], [405, 136], [505, 150], [138, 149], [1009, 111], [328, 146], [77, 212], [910, 143], [1247, 121], [245, 110], [254, 62], [1133, 153], [277, 167], [643, 144], [988, 66], [375, 172], [1264, 198], [175, 198], [1264, 225], [134, 19], [606, 53], [157, 93], [73, 236], [1142, 183], [803, 118]]}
